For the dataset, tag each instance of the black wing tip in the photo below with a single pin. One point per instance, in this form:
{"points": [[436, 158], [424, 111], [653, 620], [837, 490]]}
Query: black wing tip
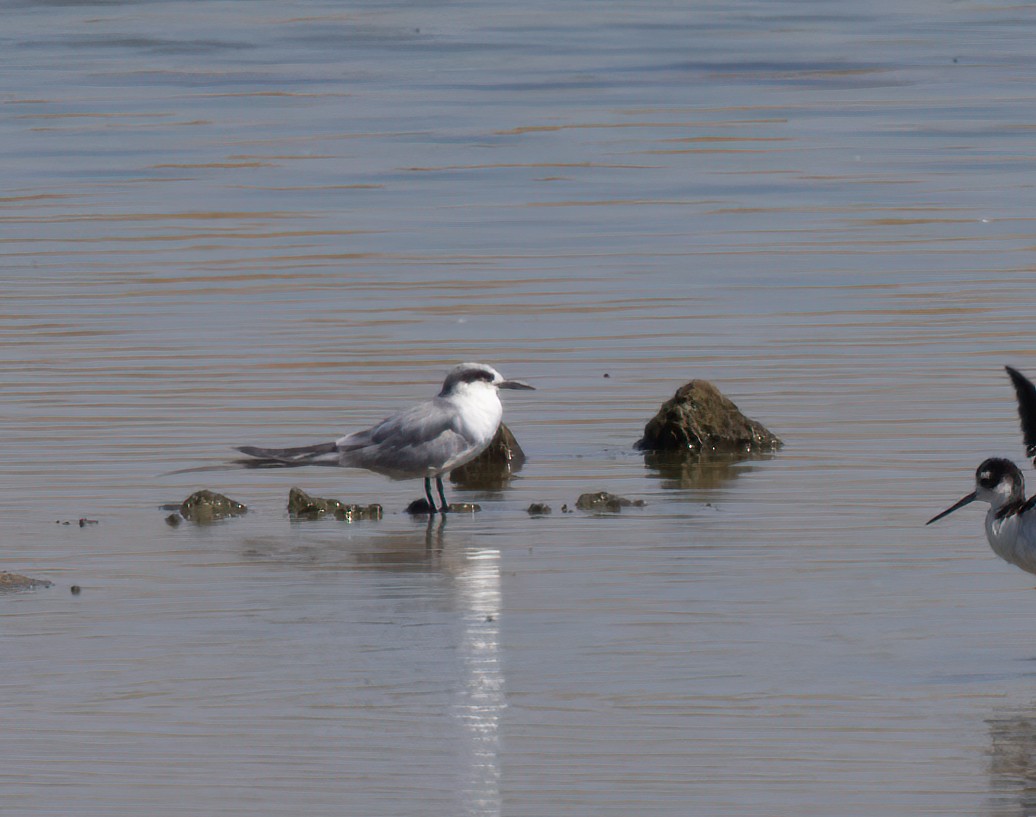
{"points": [[1026, 394], [1019, 379]]}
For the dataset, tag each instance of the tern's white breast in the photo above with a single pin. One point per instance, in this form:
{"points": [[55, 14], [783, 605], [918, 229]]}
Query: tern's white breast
{"points": [[478, 413]]}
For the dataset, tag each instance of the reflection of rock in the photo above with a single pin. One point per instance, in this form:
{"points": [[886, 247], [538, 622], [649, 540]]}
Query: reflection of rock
{"points": [[12, 582], [491, 469], [603, 501], [694, 469], [302, 505], [700, 418], [208, 506], [1013, 762]]}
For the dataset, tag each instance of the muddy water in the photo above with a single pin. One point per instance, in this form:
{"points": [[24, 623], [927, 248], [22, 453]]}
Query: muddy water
{"points": [[232, 223]]}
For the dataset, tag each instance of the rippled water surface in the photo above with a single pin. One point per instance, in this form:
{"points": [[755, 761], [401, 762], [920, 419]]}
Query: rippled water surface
{"points": [[226, 223]]}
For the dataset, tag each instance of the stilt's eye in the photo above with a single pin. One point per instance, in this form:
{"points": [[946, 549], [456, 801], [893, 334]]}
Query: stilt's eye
{"points": [[985, 479]]}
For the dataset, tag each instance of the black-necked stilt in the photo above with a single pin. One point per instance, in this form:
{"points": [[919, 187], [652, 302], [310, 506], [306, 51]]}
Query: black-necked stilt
{"points": [[1011, 519], [428, 440]]}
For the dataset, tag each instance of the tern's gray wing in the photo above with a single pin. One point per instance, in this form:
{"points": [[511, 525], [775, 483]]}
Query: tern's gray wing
{"points": [[425, 440], [1026, 408]]}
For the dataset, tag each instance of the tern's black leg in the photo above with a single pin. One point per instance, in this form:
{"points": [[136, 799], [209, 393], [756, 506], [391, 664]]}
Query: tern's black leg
{"points": [[428, 493], [442, 495]]}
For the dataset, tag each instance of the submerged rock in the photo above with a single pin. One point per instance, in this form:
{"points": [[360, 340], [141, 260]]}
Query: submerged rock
{"points": [[302, 505], [202, 507], [700, 418], [12, 582], [420, 507], [492, 468], [603, 501]]}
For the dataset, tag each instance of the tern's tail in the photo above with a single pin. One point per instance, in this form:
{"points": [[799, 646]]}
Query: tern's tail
{"points": [[322, 454]]}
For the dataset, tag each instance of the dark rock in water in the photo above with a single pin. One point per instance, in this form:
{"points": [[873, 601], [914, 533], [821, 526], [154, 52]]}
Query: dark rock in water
{"points": [[12, 582], [539, 509], [700, 418], [603, 501], [420, 507], [491, 469], [202, 507], [173, 520], [302, 505]]}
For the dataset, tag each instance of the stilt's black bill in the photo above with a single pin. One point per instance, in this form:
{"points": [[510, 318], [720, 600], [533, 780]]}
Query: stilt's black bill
{"points": [[965, 501]]}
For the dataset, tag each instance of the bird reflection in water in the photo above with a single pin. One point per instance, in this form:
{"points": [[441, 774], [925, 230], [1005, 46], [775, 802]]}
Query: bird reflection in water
{"points": [[1012, 764]]}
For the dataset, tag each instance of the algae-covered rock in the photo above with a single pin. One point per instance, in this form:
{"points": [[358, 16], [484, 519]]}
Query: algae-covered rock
{"points": [[202, 507], [12, 582], [463, 507], [302, 505], [700, 418], [354, 513], [493, 467], [603, 501]]}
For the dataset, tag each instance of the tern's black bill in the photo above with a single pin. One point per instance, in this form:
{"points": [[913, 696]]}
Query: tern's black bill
{"points": [[514, 384], [965, 501]]}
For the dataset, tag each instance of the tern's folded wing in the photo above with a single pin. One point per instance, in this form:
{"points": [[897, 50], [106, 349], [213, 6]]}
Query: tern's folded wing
{"points": [[415, 426], [421, 440]]}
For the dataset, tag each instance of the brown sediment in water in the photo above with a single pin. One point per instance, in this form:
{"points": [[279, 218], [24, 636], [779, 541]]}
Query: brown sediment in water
{"points": [[13, 582]]}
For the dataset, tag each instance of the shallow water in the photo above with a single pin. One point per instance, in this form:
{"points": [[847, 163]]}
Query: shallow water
{"points": [[255, 223]]}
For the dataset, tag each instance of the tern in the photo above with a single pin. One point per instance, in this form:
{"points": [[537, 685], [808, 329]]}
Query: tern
{"points": [[1010, 520], [427, 440]]}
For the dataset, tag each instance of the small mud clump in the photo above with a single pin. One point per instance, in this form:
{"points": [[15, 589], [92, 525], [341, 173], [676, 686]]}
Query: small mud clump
{"points": [[303, 506], [203, 507], [700, 418], [603, 501], [539, 509]]}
